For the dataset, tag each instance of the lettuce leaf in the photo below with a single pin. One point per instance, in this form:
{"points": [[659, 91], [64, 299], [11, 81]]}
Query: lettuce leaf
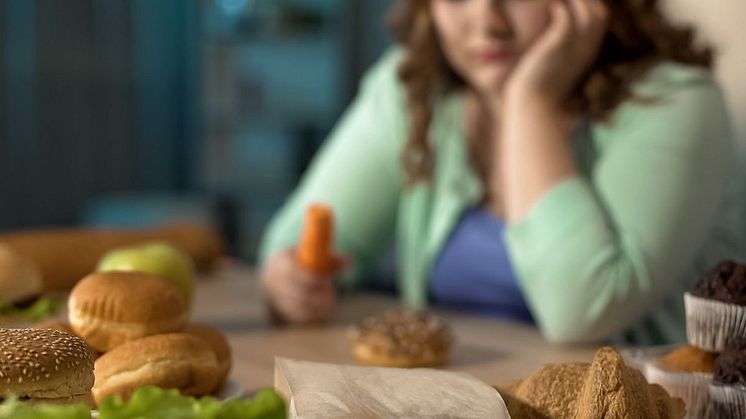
{"points": [[267, 404], [15, 409], [42, 308], [156, 403]]}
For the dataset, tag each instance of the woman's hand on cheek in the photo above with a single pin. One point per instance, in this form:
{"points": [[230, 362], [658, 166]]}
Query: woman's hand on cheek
{"points": [[554, 63]]}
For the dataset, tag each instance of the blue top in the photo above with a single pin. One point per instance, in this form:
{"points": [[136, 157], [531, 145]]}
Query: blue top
{"points": [[473, 272]]}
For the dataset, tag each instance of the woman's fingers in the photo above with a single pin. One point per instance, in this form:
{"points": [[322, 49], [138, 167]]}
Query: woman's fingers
{"points": [[340, 262], [588, 16], [582, 16], [561, 25], [303, 307], [296, 294], [555, 61], [589, 26]]}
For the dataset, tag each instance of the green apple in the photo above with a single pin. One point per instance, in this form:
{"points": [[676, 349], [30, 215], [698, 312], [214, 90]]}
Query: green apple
{"points": [[158, 258]]}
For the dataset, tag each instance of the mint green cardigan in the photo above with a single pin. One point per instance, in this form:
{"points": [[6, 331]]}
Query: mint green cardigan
{"points": [[603, 256]]}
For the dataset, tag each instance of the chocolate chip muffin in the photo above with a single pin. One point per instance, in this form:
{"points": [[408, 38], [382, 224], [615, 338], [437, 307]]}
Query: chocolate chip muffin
{"points": [[728, 389], [716, 308], [726, 282], [730, 368]]}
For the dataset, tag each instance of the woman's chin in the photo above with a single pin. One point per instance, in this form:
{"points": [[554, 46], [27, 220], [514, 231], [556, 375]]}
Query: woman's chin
{"points": [[490, 82]]}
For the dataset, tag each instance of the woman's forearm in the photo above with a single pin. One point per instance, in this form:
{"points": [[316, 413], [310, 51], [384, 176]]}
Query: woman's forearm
{"points": [[535, 153]]}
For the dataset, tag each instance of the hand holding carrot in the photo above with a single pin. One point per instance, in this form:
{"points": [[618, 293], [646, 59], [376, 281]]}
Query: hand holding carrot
{"points": [[298, 281]]}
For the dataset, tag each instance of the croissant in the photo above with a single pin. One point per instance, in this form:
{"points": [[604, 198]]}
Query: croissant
{"points": [[605, 388]]}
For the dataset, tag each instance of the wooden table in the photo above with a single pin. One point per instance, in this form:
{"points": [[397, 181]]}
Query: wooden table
{"points": [[230, 299], [494, 351]]}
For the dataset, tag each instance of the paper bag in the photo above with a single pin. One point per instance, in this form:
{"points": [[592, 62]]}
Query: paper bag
{"points": [[315, 390]]}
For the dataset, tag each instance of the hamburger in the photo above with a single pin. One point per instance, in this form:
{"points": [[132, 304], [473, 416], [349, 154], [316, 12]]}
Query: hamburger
{"points": [[45, 366]]}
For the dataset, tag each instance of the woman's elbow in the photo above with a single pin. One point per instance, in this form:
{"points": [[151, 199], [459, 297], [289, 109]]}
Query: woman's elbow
{"points": [[574, 324], [599, 308]]}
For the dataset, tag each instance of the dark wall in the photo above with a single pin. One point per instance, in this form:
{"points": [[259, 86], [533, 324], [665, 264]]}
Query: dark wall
{"points": [[97, 98]]}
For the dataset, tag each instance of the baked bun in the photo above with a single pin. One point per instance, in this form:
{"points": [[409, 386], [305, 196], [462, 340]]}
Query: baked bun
{"points": [[402, 339], [217, 342], [110, 308], [55, 325], [45, 366], [176, 360], [20, 280], [63, 327]]}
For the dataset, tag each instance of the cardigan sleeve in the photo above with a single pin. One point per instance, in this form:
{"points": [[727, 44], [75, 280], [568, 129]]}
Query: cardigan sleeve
{"points": [[595, 253]]}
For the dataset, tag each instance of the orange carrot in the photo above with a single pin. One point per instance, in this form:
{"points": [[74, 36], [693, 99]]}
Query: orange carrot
{"points": [[315, 247]]}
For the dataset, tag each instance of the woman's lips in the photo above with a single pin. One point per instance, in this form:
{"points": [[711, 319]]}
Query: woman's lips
{"points": [[494, 56]]}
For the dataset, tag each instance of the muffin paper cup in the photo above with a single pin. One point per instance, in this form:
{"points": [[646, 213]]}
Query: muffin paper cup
{"points": [[713, 325], [691, 387], [727, 402]]}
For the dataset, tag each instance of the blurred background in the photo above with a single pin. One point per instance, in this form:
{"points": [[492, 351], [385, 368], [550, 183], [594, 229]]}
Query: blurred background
{"points": [[140, 112]]}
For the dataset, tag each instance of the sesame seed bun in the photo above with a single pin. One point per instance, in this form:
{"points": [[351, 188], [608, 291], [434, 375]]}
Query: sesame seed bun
{"points": [[108, 309], [63, 327], [19, 278], [217, 342], [54, 325], [176, 360], [45, 366]]}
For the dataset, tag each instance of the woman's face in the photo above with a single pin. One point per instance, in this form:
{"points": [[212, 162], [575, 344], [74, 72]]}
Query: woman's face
{"points": [[483, 39]]}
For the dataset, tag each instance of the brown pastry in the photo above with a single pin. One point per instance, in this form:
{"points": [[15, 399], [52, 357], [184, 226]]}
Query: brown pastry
{"points": [[402, 339], [63, 256], [46, 366], [217, 342], [178, 360], [606, 388], [110, 308]]}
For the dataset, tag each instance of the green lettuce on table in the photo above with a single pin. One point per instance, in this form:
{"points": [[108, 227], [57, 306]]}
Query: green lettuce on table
{"points": [[15, 409], [155, 403], [40, 309]]}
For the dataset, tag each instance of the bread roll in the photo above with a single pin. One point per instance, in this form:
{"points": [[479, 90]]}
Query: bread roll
{"points": [[217, 342], [177, 360], [108, 309]]}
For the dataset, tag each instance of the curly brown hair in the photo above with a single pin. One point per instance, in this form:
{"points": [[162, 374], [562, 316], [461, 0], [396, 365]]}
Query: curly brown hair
{"points": [[639, 36]]}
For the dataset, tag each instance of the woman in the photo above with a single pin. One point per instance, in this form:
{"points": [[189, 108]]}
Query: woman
{"points": [[558, 161]]}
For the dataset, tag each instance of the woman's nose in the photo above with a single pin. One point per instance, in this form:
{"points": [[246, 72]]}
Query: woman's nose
{"points": [[492, 18]]}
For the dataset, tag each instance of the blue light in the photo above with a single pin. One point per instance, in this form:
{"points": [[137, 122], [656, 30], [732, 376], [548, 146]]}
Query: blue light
{"points": [[233, 6]]}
